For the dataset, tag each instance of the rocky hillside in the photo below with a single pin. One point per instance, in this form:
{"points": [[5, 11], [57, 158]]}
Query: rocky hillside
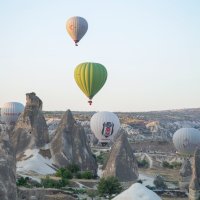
{"points": [[145, 125]]}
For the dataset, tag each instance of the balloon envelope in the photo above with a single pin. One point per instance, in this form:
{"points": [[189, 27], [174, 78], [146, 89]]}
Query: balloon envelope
{"points": [[76, 28], [186, 140], [90, 77], [11, 111], [104, 125]]}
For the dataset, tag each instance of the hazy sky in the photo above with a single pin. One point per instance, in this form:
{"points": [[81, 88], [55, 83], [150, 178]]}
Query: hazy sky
{"points": [[151, 49]]}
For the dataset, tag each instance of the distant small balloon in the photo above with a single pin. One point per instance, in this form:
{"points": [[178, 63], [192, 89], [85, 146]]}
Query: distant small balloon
{"points": [[10, 112], [76, 28], [186, 140], [105, 126]]}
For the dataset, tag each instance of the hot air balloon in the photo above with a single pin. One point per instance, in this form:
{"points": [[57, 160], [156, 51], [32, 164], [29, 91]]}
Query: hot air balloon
{"points": [[105, 126], [90, 77], [76, 28], [186, 140], [11, 111]]}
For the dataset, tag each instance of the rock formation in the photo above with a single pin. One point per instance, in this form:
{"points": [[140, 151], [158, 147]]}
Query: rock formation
{"points": [[70, 145], [122, 162], [186, 169], [185, 174], [7, 169], [194, 187], [31, 129]]}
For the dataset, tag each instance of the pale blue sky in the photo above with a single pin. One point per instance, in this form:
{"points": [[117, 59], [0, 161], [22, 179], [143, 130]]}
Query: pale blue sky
{"points": [[151, 49]]}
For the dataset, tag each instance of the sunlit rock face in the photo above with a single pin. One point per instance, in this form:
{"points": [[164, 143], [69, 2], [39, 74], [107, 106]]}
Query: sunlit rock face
{"points": [[7, 169], [122, 162], [70, 145], [31, 130]]}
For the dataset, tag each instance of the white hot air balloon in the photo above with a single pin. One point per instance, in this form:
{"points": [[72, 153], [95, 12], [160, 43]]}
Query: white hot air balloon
{"points": [[104, 125], [186, 140], [11, 111], [76, 28]]}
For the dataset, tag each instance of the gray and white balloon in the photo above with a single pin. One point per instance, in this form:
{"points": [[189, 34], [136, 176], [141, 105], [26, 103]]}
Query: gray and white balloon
{"points": [[76, 27], [104, 125], [11, 111], [186, 140]]}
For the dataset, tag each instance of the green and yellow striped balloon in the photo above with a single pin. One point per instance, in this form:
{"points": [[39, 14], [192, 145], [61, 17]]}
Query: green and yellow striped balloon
{"points": [[90, 77]]}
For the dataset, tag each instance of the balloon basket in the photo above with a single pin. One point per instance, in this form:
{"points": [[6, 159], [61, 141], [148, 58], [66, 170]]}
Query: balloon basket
{"points": [[76, 42], [90, 102]]}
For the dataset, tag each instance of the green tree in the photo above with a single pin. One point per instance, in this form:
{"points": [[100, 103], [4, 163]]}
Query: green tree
{"points": [[79, 175], [73, 168], [176, 165], [173, 165], [167, 165], [64, 173], [109, 186], [22, 181], [87, 175], [143, 163], [84, 175], [47, 182]]}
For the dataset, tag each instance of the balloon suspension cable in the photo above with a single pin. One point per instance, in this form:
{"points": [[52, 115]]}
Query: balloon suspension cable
{"points": [[90, 102]]}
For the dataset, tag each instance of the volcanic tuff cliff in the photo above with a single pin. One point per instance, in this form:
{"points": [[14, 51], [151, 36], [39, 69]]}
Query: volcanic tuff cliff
{"points": [[31, 129], [194, 187], [7, 169], [70, 145], [121, 162], [185, 174], [195, 181], [186, 169]]}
